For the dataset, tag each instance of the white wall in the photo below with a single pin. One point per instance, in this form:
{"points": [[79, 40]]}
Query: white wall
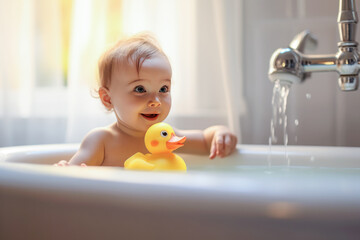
{"points": [[330, 116]]}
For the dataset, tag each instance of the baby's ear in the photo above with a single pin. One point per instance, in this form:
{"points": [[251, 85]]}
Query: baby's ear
{"points": [[105, 97]]}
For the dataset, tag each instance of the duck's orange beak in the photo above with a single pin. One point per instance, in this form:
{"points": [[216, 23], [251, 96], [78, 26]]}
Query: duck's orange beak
{"points": [[175, 142]]}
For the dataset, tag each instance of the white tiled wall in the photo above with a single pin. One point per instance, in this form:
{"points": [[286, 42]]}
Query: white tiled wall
{"points": [[330, 116]]}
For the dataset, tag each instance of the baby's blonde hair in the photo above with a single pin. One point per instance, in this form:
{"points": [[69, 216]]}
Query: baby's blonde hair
{"points": [[135, 49]]}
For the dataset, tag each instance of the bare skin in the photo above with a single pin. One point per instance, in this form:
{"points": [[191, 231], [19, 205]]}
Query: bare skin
{"points": [[140, 100]]}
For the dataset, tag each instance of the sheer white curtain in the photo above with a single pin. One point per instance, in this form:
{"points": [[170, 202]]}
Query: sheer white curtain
{"points": [[202, 39], [228, 26], [88, 33], [29, 53]]}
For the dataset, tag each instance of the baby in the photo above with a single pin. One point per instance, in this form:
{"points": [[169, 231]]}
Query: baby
{"points": [[135, 83]]}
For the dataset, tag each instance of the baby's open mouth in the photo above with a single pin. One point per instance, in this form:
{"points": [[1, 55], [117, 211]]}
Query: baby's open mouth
{"points": [[150, 116]]}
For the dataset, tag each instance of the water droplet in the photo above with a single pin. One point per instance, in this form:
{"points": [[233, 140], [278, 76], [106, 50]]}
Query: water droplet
{"points": [[296, 122], [308, 96]]}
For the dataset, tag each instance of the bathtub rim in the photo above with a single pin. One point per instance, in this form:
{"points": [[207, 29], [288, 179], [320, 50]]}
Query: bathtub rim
{"points": [[194, 191], [316, 156]]}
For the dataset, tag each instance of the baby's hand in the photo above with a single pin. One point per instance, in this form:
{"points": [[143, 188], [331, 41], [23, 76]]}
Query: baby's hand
{"points": [[223, 143], [64, 163]]}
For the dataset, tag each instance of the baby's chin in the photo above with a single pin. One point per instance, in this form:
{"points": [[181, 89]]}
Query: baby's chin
{"points": [[149, 124]]}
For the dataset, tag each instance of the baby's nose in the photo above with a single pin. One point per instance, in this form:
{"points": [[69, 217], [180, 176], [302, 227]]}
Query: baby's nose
{"points": [[154, 104]]}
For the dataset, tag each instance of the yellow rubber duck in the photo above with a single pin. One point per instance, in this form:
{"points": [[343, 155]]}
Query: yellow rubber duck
{"points": [[160, 141]]}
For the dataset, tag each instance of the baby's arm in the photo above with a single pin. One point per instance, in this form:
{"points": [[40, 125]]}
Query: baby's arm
{"points": [[91, 151], [216, 140]]}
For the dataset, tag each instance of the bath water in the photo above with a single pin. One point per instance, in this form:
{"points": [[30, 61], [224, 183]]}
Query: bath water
{"points": [[278, 121]]}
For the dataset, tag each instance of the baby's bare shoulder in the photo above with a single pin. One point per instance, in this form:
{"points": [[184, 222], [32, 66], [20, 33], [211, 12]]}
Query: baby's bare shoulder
{"points": [[100, 131], [100, 134]]}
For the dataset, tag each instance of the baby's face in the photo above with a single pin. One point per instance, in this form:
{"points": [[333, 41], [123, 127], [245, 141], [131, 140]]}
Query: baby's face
{"points": [[140, 100]]}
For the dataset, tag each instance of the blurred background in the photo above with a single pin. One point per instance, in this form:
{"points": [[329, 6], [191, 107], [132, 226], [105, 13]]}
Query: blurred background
{"points": [[219, 51]]}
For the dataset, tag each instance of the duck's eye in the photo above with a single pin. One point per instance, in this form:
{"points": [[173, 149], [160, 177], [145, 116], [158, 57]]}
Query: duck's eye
{"points": [[139, 89], [164, 133]]}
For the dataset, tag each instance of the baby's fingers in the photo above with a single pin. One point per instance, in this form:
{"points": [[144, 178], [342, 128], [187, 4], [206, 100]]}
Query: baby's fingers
{"points": [[217, 147], [225, 145], [62, 163], [230, 144], [213, 150], [220, 145]]}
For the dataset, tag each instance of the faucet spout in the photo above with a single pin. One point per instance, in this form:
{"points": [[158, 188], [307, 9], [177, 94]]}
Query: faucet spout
{"points": [[292, 65]]}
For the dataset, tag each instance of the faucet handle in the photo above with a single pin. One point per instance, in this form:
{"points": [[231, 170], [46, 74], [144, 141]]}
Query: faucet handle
{"points": [[304, 40]]}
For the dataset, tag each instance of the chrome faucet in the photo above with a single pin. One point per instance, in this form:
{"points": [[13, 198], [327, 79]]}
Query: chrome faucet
{"points": [[293, 66]]}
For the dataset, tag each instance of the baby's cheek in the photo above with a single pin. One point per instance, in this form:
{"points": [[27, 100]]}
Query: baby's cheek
{"points": [[167, 100]]}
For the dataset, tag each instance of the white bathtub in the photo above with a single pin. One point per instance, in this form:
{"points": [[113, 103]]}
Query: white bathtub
{"points": [[239, 197]]}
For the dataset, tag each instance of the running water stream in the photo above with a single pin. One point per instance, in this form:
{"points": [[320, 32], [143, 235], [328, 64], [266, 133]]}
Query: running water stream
{"points": [[278, 122]]}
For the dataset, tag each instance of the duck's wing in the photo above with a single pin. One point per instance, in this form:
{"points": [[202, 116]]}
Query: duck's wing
{"points": [[180, 163], [138, 161]]}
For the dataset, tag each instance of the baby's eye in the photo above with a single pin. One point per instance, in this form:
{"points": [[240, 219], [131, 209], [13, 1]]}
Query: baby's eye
{"points": [[164, 89], [139, 89]]}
